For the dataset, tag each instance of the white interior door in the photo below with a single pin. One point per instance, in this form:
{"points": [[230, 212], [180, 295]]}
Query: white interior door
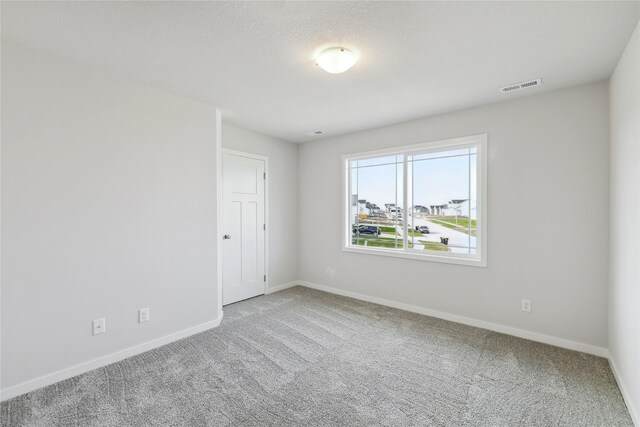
{"points": [[243, 247]]}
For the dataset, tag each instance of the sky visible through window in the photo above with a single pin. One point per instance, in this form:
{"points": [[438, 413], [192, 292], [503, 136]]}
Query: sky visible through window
{"points": [[436, 179]]}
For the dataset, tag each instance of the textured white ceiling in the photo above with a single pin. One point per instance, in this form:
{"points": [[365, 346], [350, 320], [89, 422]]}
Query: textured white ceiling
{"points": [[254, 60]]}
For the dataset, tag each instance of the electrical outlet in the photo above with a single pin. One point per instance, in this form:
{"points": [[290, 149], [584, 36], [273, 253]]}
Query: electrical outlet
{"points": [[143, 315], [331, 271], [526, 305], [99, 326]]}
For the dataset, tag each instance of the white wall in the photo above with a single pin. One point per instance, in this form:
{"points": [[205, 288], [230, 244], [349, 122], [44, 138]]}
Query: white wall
{"points": [[283, 198], [547, 218], [624, 288], [109, 205]]}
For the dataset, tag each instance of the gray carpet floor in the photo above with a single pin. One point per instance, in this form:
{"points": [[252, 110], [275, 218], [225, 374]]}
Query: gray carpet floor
{"points": [[303, 357]]}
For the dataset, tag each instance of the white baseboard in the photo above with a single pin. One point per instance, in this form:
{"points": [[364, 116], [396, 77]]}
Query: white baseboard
{"points": [[282, 287], [634, 411], [521, 333], [99, 362]]}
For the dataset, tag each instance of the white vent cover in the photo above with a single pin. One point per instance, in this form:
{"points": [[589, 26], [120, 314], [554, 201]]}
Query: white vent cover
{"points": [[521, 85]]}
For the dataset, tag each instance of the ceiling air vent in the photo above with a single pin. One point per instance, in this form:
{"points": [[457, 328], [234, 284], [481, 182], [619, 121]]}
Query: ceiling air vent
{"points": [[521, 85]]}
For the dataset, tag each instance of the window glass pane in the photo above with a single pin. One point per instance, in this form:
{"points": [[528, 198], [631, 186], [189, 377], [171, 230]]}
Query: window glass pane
{"points": [[442, 203], [440, 213], [376, 202]]}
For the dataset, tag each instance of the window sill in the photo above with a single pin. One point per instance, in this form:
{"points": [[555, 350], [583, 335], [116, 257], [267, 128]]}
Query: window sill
{"points": [[448, 259]]}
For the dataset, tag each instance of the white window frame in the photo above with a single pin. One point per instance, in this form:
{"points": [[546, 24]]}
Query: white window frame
{"points": [[475, 141]]}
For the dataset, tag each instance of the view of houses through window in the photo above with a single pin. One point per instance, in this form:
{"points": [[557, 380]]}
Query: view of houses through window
{"points": [[439, 213]]}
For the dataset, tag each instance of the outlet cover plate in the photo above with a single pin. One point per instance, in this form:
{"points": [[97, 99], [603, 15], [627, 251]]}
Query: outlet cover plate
{"points": [[99, 326], [143, 315]]}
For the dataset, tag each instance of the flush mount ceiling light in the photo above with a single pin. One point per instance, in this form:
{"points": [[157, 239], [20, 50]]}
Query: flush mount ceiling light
{"points": [[336, 60]]}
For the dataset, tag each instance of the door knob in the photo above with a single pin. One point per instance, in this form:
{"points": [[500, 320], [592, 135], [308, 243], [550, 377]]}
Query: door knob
{"points": [[226, 236]]}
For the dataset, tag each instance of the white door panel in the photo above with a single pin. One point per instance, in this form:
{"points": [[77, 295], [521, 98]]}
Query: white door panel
{"points": [[243, 268]]}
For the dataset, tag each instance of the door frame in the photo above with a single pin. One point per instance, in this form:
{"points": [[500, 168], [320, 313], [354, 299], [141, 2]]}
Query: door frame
{"points": [[265, 159]]}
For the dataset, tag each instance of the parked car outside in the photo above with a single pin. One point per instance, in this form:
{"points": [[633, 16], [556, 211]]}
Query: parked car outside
{"points": [[371, 230], [422, 229]]}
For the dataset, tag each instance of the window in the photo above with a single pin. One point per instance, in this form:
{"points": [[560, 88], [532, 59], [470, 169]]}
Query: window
{"points": [[424, 201]]}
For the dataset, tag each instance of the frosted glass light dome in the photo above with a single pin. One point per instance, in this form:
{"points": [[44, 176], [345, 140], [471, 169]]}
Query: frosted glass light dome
{"points": [[336, 60]]}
